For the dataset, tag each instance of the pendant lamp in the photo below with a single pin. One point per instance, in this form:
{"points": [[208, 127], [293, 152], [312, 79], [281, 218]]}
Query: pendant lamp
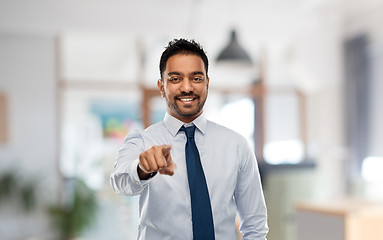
{"points": [[234, 53]]}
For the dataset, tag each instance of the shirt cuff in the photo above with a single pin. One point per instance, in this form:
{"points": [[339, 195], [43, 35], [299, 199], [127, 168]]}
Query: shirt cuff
{"points": [[136, 178]]}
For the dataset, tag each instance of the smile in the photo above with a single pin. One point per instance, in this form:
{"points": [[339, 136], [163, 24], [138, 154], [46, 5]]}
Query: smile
{"points": [[186, 99]]}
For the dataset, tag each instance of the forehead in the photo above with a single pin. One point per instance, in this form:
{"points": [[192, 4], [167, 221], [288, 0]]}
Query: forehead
{"points": [[185, 63]]}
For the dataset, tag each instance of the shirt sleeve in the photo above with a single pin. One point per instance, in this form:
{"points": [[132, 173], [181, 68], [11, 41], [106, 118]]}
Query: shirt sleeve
{"points": [[249, 197], [124, 177]]}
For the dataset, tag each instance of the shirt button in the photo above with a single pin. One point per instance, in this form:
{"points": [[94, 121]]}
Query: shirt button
{"points": [[137, 182]]}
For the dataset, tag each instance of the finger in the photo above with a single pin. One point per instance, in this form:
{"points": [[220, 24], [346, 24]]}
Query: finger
{"points": [[166, 150], [152, 162], [170, 169], [160, 158], [143, 164], [167, 171], [172, 165]]}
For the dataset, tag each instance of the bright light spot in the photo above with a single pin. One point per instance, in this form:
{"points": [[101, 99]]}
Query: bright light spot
{"points": [[284, 152], [372, 169], [237, 115]]}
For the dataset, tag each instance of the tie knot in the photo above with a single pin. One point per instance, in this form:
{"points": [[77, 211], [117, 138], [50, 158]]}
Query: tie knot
{"points": [[189, 131]]}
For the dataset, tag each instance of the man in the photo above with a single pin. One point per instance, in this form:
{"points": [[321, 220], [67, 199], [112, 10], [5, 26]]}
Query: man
{"points": [[192, 175]]}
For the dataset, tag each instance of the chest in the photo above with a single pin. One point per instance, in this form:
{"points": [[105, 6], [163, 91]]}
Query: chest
{"points": [[219, 159]]}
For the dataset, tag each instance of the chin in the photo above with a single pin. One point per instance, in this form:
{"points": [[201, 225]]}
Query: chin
{"points": [[189, 114]]}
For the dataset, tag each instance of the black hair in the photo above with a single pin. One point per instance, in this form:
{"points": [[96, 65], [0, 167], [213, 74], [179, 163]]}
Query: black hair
{"points": [[182, 46]]}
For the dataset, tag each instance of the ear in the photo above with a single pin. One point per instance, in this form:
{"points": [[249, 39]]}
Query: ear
{"points": [[207, 83], [160, 86]]}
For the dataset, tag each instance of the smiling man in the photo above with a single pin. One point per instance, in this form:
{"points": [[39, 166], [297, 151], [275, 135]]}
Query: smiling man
{"points": [[186, 83], [193, 176]]}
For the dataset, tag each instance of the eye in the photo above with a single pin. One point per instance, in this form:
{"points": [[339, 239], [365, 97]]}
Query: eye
{"points": [[174, 79], [198, 79]]}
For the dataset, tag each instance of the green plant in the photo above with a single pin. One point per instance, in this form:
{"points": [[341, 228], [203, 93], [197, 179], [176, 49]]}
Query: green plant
{"points": [[72, 218], [12, 188]]}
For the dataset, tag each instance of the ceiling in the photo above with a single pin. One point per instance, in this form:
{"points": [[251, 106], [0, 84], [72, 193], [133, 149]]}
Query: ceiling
{"points": [[105, 38], [186, 17]]}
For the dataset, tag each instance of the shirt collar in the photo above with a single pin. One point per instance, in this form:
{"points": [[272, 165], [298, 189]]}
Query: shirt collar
{"points": [[173, 125]]}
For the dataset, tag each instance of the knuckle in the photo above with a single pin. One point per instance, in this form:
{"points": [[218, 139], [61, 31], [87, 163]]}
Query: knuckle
{"points": [[149, 151], [162, 164], [155, 147]]}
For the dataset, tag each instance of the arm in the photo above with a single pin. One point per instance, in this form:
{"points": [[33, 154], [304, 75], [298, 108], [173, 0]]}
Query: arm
{"points": [[134, 165], [249, 197], [124, 178]]}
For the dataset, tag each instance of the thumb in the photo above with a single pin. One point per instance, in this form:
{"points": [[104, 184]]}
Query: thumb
{"points": [[170, 169]]}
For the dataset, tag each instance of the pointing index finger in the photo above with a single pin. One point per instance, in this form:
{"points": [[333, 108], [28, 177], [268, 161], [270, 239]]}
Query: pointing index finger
{"points": [[166, 150]]}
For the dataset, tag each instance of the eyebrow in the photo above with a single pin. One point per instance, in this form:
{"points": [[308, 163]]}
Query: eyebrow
{"points": [[180, 74], [174, 73], [197, 73]]}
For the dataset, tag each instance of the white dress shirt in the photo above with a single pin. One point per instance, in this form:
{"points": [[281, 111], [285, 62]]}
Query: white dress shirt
{"points": [[231, 173]]}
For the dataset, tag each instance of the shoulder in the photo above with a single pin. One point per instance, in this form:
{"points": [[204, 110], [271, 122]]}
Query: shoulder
{"points": [[215, 127], [137, 134], [154, 128], [230, 141], [222, 132]]}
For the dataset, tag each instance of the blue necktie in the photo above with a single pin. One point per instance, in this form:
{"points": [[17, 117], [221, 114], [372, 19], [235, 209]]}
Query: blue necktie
{"points": [[203, 226]]}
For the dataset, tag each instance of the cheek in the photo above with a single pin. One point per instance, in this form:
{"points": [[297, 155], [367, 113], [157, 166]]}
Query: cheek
{"points": [[170, 91], [203, 90]]}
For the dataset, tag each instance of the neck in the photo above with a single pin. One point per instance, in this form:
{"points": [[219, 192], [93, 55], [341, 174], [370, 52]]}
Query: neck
{"points": [[187, 119]]}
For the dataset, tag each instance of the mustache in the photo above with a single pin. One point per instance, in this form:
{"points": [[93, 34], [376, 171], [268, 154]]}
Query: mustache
{"points": [[191, 94]]}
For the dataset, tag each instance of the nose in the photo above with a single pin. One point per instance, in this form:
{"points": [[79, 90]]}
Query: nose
{"points": [[186, 85]]}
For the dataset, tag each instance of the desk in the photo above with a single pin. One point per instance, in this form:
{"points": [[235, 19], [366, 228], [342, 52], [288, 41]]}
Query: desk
{"points": [[345, 219]]}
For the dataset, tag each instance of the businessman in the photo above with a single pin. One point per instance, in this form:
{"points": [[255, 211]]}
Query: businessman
{"points": [[193, 175]]}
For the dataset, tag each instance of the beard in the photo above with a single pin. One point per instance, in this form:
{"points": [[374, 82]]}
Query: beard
{"points": [[176, 106]]}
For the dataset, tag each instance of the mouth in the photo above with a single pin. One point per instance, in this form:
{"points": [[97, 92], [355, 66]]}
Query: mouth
{"points": [[186, 99]]}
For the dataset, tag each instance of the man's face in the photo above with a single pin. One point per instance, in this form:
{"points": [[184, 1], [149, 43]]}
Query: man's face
{"points": [[184, 85]]}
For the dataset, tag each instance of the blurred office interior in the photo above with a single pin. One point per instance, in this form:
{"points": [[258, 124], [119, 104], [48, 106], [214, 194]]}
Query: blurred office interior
{"points": [[77, 76]]}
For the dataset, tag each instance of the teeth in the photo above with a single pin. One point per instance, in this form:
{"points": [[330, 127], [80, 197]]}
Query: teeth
{"points": [[186, 99]]}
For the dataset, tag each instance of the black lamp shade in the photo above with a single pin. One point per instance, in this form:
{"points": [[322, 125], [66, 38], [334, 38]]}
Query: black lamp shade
{"points": [[234, 52]]}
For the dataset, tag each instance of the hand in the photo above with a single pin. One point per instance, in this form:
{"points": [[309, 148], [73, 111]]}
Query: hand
{"points": [[156, 159]]}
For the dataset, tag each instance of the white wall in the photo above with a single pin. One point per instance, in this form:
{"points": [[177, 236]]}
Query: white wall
{"points": [[27, 77]]}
